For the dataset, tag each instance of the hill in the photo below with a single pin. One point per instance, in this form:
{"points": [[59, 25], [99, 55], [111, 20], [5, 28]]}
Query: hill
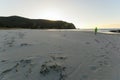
{"points": [[21, 22]]}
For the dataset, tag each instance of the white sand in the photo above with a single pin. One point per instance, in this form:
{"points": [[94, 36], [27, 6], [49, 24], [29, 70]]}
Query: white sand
{"points": [[73, 55]]}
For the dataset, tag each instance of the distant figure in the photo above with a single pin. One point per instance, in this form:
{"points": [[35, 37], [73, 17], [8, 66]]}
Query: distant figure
{"points": [[96, 29]]}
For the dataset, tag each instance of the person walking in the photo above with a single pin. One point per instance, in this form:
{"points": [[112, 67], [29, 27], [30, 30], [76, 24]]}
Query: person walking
{"points": [[96, 30]]}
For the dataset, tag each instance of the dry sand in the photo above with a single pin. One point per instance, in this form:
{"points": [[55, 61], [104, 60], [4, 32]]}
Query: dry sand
{"points": [[59, 55]]}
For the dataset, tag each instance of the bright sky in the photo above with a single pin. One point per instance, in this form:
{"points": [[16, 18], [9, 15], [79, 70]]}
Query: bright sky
{"points": [[83, 13]]}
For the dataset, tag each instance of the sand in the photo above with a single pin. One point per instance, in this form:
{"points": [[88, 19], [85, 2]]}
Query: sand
{"points": [[59, 55]]}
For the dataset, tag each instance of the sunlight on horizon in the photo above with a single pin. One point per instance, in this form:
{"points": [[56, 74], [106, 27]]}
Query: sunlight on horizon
{"points": [[51, 14]]}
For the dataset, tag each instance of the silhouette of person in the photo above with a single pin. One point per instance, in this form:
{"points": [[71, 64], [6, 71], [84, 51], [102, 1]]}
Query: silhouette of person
{"points": [[96, 29]]}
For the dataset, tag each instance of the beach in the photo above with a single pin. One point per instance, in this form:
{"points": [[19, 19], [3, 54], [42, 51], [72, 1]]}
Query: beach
{"points": [[27, 54]]}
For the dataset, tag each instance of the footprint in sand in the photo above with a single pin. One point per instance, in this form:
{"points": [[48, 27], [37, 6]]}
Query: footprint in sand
{"points": [[93, 67], [87, 43], [84, 77], [97, 41]]}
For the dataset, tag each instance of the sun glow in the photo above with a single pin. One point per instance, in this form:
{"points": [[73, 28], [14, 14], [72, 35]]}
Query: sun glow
{"points": [[52, 14]]}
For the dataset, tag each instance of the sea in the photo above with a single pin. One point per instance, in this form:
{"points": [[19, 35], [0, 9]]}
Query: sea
{"points": [[101, 30], [106, 30]]}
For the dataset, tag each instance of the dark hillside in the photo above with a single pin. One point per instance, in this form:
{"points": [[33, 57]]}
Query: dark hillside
{"points": [[21, 22]]}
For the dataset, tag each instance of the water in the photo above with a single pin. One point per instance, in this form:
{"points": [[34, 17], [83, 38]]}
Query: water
{"points": [[108, 30], [102, 30]]}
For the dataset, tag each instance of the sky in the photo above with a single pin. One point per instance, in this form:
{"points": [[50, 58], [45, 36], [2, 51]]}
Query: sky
{"points": [[82, 13]]}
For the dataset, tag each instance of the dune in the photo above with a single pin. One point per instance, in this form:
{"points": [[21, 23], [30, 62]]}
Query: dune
{"points": [[59, 55]]}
